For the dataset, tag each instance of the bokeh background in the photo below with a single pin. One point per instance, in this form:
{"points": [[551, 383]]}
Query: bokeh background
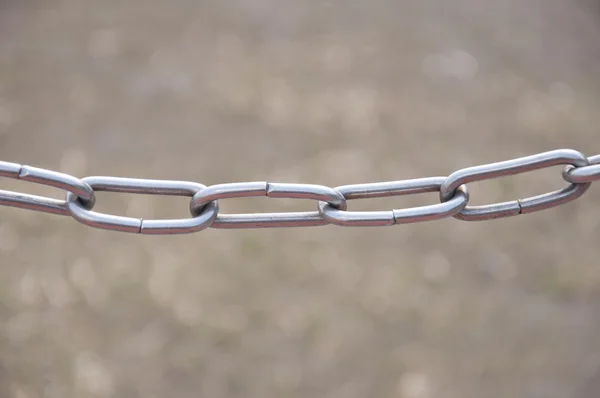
{"points": [[326, 92]]}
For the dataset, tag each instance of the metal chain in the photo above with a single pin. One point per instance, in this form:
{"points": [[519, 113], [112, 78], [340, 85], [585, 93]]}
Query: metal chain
{"points": [[579, 171]]}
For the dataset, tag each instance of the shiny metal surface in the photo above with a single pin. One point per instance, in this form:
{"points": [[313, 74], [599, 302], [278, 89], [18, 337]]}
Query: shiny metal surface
{"points": [[512, 167], [391, 217], [58, 180], [34, 203], [142, 186], [269, 220], [306, 191], [10, 170], [272, 190], [580, 175], [43, 177], [225, 191], [332, 202]]}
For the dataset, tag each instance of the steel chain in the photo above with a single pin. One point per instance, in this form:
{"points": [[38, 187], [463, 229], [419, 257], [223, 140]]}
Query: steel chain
{"points": [[579, 171]]}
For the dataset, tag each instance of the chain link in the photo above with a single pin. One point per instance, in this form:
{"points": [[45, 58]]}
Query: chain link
{"points": [[456, 203], [271, 190], [200, 220], [580, 172], [513, 167]]}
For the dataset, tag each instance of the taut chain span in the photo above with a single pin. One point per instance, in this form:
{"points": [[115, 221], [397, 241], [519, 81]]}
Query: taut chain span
{"points": [[332, 203]]}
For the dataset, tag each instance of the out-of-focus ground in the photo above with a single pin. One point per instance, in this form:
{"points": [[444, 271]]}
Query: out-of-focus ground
{"points": [[327, 92]]}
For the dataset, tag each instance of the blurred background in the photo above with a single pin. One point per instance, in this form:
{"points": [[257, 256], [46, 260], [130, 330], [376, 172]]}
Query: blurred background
{"points": [[324, 92]]}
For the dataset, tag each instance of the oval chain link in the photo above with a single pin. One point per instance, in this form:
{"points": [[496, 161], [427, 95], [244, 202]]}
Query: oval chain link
{"points": [[579, 172], [512, 167], [271, 190], [94, 219], [391, 217]]}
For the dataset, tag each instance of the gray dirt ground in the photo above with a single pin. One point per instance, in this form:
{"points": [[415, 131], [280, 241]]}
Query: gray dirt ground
{"points": [[330, 92]]}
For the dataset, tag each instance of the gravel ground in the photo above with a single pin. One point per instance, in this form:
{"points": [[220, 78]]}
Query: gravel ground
{"points": [[326, 92]]}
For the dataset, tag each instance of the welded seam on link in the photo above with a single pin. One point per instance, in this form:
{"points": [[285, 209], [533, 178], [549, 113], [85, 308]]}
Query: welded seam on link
{"points": [[520, 207]]}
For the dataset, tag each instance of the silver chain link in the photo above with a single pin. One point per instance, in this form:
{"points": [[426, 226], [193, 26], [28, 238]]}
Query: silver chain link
{"points": [[579, 171]]}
